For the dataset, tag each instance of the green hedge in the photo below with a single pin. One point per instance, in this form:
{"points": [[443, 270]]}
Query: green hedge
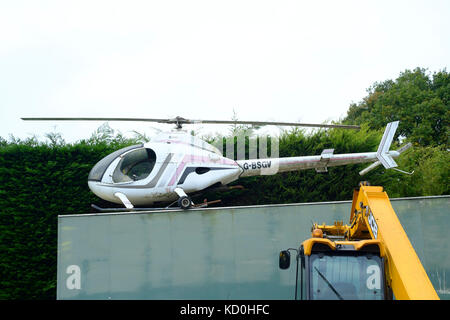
{"points": [[38, 182]]}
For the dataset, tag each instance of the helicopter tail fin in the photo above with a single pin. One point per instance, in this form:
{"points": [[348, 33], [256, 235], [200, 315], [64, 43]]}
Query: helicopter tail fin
{"points": [[383, 155], [383, 149]]}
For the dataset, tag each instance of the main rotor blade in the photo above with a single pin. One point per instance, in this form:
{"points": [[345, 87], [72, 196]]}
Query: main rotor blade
{"points": [[274, 123], [96, 119], [179, 120]]}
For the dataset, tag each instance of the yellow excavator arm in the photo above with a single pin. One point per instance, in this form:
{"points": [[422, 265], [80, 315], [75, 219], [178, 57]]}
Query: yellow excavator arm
{"points": [[372, 217], [372, 214], [371, 258]]}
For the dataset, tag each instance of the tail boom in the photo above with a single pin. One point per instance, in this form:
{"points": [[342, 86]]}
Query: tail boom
{"points": [[327, 159], [269, 166]]}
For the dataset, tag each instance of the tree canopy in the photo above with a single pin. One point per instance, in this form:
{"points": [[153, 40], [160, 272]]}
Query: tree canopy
{"points": [[418, 99]]}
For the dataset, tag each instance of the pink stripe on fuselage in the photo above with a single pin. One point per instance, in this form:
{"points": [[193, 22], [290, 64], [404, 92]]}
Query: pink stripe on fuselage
{"points": [[191, 158]]}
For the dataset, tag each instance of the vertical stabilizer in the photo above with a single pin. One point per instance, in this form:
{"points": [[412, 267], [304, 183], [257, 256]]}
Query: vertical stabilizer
{"points": [[383, 150]]}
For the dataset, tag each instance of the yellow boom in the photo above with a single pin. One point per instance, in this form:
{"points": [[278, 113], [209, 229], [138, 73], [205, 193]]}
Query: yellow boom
{"points": [[404, 273], [372, 217]]}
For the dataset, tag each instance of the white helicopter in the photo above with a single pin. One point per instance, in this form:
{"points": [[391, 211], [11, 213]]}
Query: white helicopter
{"points": [[174, 164]]}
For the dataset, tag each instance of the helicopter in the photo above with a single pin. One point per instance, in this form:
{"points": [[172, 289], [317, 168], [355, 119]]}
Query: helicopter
{"points": [[175, 164]]}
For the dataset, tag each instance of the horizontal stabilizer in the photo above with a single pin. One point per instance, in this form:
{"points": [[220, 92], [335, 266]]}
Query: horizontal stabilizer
{"points": [[405, 147], [387, 161], [377, 163], [369, 168], [383, 150]]}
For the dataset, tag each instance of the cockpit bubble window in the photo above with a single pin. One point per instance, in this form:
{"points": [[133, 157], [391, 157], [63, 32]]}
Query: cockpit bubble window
{"points": [[135, 165], [99, 169]]}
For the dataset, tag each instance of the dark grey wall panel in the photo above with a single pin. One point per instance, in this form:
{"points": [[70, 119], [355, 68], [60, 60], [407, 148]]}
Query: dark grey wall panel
{"points": [[229, 253]]}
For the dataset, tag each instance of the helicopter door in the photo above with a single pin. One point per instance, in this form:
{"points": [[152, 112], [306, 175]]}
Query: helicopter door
{"points": [[135, 165]]}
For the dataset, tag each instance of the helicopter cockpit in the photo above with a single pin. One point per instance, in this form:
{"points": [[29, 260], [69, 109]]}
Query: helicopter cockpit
{"points": [[136, 163]]}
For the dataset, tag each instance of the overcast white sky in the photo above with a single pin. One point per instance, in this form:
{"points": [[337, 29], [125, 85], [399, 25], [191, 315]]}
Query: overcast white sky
{"points": [[268, 60]]}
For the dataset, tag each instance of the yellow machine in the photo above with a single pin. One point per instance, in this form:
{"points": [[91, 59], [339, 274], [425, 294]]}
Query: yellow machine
{"points": [[372, 258]]}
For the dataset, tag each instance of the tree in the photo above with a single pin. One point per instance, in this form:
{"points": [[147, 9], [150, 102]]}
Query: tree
{"points": [[418, 100]]}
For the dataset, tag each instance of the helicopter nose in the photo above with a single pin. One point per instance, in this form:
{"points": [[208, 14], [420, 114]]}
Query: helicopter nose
{"points": [[95, 188], [102, 192]]}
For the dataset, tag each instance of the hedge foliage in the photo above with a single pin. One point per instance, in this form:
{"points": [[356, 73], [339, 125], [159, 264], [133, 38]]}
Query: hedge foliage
{"points": [[38, 182]]}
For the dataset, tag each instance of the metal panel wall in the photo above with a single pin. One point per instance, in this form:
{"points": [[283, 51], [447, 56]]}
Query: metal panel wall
{"points": [[226, 253]]}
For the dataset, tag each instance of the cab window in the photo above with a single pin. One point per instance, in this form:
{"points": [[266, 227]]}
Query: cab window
{"points": [[346, 277], [135, 165]]}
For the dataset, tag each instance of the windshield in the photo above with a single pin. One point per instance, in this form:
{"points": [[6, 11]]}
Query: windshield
{"points": [[346, 277], [99, 169], [135, 165]]}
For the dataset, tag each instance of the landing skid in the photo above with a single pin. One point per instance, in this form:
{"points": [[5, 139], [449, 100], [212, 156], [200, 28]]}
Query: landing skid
{"points": [[204, 204]]}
